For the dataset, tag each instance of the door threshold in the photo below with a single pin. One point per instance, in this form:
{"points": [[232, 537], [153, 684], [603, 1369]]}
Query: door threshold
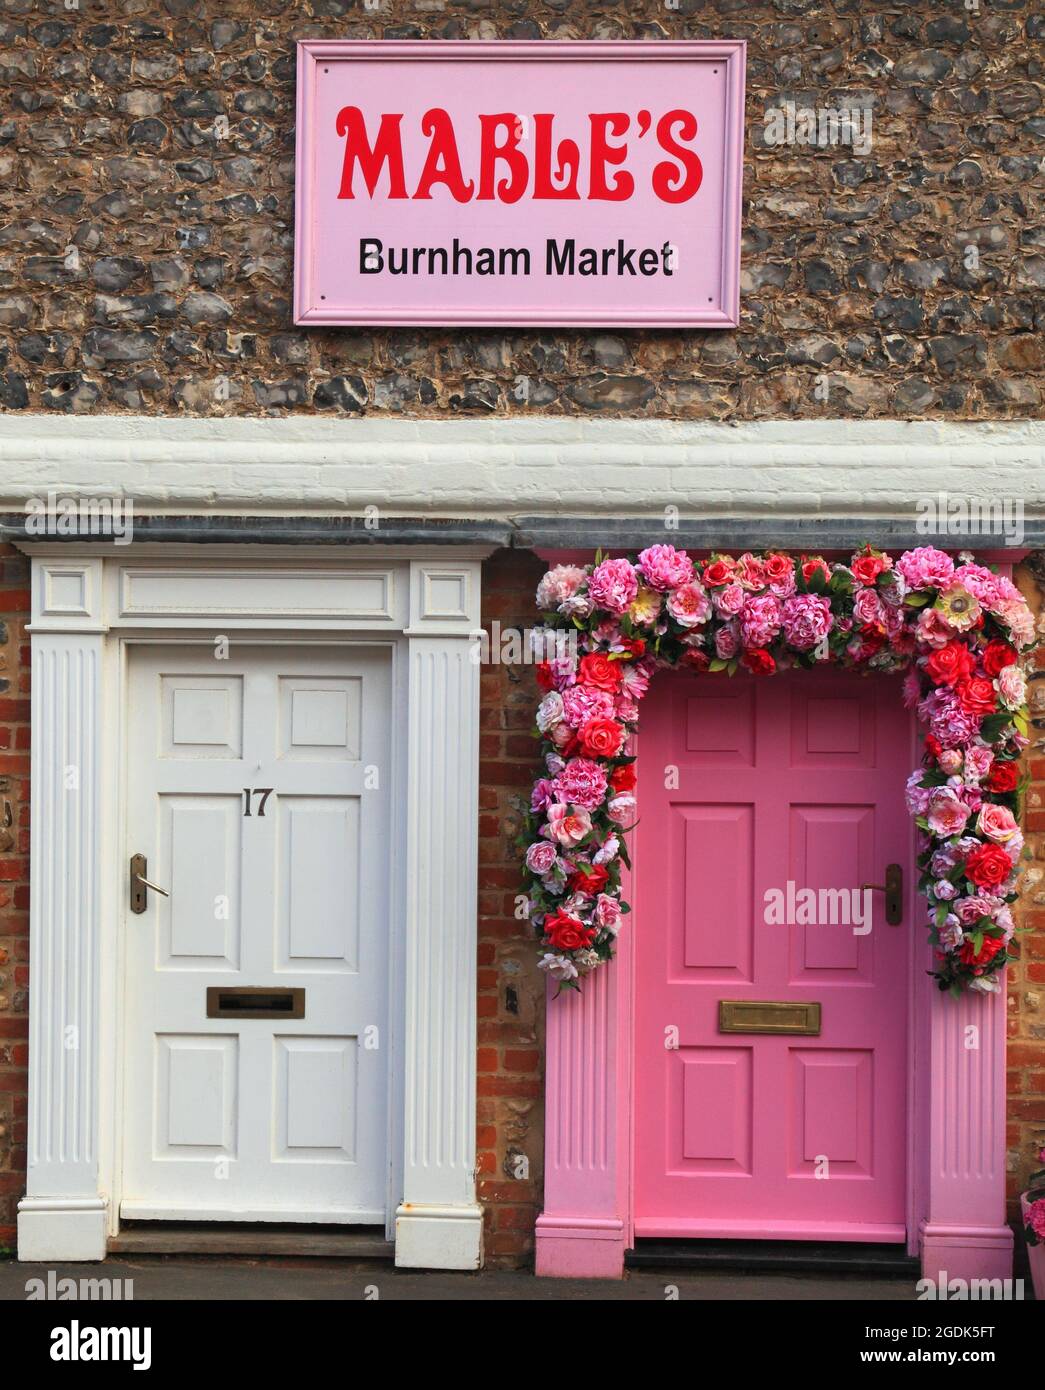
{"points": [[776, 1256], [235, 1238]]}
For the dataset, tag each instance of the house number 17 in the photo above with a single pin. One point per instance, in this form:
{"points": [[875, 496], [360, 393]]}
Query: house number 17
{"points": [[249, 793]]}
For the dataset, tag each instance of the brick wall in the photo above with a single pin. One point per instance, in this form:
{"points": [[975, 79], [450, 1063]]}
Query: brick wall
{"points": [[1026, 1024], [146, 262], [511, 989], [14, 882]]}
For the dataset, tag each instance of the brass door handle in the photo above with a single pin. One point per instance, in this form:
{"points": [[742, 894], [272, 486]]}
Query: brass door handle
{"points": [[893, 890], [140, 884]]}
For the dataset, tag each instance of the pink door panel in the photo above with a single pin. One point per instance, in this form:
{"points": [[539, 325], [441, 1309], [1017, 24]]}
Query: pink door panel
{"points": [[746, 785]]}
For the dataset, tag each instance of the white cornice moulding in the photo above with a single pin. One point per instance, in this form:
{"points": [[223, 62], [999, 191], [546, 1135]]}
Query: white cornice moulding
{"points": [[516, 466]]}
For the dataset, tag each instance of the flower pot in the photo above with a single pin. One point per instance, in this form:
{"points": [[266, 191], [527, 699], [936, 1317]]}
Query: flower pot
{"points": [[1036, 1256]]}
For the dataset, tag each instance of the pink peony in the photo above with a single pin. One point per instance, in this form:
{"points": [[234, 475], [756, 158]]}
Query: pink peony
{"points": [[982, 583], [665, 567], [807, 621], [947, 814], [760, 620], [583, 702], [917, 796], [689, 605], [1036, 1218], [581, 782], [996, 823], [926, 568], [559, 584], [613, 585]]}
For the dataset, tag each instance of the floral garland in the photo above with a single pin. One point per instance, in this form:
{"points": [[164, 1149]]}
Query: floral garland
{"points": [[956, 629]]}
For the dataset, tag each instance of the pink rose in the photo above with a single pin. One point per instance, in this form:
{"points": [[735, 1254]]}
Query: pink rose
{"points": [[549, 711], [750, 572], [566, 825], [689, 605], [1012, 686], [996, 823], [727, 642], [867, 607], [1016, 616], [557, 585], [621, 808], [613, 585], [728, 601], [932, 629], [950, 761], [541, 858], [946, 814], [970, 910], [665, 567], [607, 913]]}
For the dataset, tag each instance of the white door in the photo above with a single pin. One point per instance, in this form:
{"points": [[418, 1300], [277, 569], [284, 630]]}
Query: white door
{"points": [[258, 789]]}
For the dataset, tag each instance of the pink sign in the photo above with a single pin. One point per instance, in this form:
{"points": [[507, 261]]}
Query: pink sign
{"points": [[519, 183]]}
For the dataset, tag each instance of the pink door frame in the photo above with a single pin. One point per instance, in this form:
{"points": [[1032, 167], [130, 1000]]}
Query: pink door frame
{"points": [[955, 1108]]}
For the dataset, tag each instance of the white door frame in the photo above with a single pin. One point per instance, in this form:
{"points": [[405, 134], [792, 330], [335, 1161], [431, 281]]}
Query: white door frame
{"points": [[89, 602]]}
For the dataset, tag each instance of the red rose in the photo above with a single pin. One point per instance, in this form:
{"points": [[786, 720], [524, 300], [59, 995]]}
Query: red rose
{"points": [[867, 568], [634, 646], [598, 670], [718, 572], [565, 933], [601, 738], [544, 675], [996, 656], [988, 866], [811, 566], [976, 695], [623, 779], [949, 664], [759, 662], [591, 879], [933, 748], [1003, 777], [694, 659], [990, 948], [778, 568]]}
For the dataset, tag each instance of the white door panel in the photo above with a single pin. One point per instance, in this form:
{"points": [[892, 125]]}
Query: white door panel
{"points": [[258, 790]]}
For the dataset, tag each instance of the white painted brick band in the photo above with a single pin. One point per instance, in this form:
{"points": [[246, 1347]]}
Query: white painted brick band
{"points": [[515, 466]]}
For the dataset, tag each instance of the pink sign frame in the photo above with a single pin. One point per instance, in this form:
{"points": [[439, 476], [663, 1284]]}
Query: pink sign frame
{"points": [[696, 240]]}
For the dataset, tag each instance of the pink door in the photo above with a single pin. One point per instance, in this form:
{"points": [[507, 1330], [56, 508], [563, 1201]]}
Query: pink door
{"points": [[746, 785]]}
